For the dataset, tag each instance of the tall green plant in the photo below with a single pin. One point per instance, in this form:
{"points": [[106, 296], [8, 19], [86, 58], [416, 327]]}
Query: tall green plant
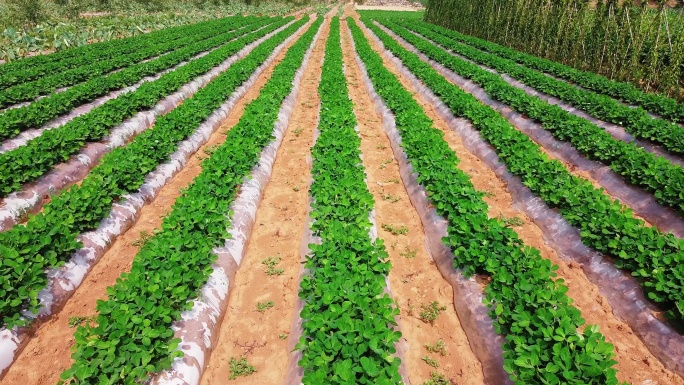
{"points": [[619, 39]]}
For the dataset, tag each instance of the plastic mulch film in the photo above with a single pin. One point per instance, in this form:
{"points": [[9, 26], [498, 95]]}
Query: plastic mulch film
{"points": [[616, 131], [468, 296], [642, 202], [651, 114], [295, 372], [198, 327], [623, 292], [402, 345], [17, 205], [27, 135], [63, 281]]}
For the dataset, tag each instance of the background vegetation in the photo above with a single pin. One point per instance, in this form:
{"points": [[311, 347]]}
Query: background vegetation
{"points": [[638, 42], [29, 27]]}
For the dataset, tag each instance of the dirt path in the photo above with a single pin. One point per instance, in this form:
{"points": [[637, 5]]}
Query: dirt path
{"points": [[414, 278], [280, 221], [51, 344], [636, 364]]}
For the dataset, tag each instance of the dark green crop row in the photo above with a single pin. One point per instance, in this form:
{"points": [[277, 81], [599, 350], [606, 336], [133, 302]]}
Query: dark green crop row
{"points": [[27, 163], [125, 46], [662, 105], [636, 121], [656, 259], [638, 167], [133, 332], [126, 57], [49, 238], [348, 320], [13, 121], [34, 67], [529, 306]]}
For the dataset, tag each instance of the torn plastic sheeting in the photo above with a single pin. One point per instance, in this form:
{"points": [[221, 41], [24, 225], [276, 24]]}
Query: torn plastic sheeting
{"points": [[468, 297], [643, 203], [197, 327], [30, 200], [623, 292], [63, 281]]}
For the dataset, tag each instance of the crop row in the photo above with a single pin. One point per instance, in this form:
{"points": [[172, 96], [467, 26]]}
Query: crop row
{"points": [[529, 306], [21, 74], [34, 67], [13, 121], [27, 163], [656, 259], [348, 319], [127, 56], [49, 238], [133, 332], [638, 167], [656, 103], [636, 121]]}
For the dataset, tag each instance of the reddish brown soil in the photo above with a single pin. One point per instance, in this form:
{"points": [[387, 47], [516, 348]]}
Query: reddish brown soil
{"points": [[52, 340], [636, 364], [414, 278], [280, 221]]}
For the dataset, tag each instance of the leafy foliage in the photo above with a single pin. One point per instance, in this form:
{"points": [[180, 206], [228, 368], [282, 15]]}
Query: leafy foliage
{"points": [[530, 308], [239, 368], [430, 312], [348, 320], [42, 80], [605, 224], [636, 166], [134, 335], [636, 121], [263, 306], [41, 111], [27, 163], [271, 263], [49, 238], [437, 379], [627, 92], [637, 41], [437, 347], [430, 361], [64, 32]]}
